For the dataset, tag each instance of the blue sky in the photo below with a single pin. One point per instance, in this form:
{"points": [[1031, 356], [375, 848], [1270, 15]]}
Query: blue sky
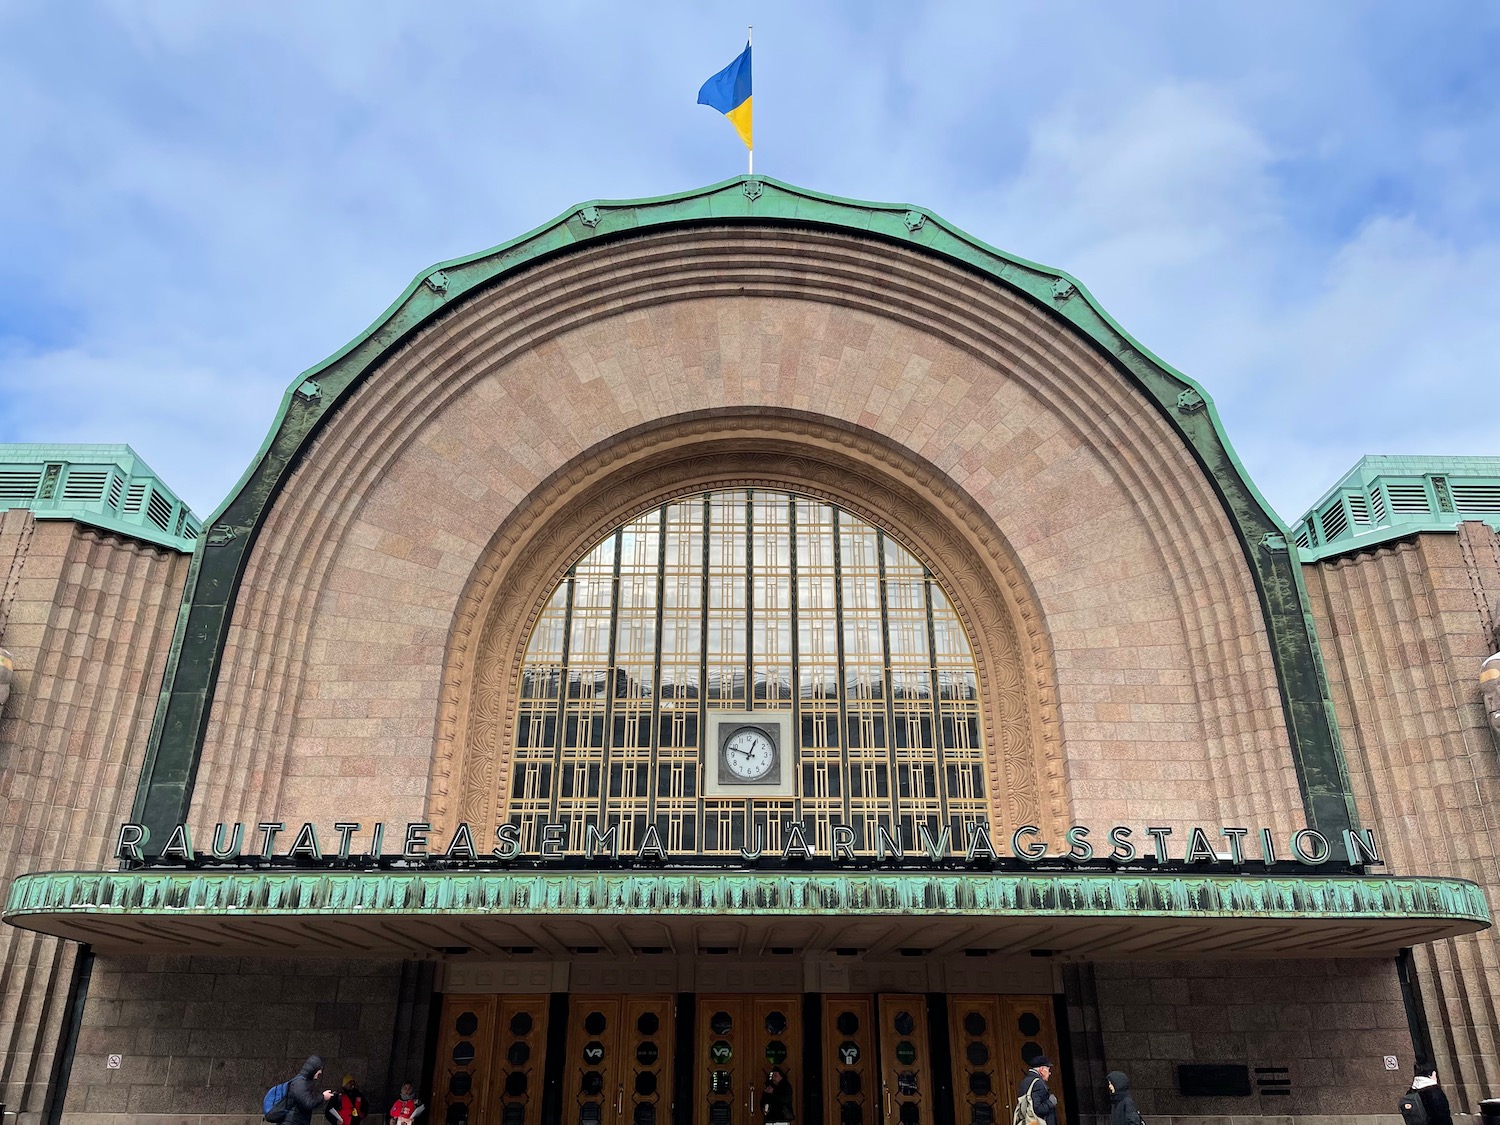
{"points": [[1298, 205]]}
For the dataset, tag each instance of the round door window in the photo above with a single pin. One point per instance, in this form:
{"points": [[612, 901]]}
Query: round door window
{"points": [[906, 1083], [977, 1054], [593, 1052], [904, 1024], [648, 1024], [518, 1054], [979, 1083], [776, 1023], [460, 1083], [594, 1023], [645, 1114], [515, 1083], [718, 1082], [906, 1052], [646, 1053], [1030, 1051], [1028, 1025], [849, 1083], [775, 1052], [589, 1113], [520, 1024], [983, 1114], [720, 1052], [910, 1114], [718, 1113], [593, 1082], [463, 1053], [720, 1023], [466, 1024], [645, 1084], [848, 1052], [974, 1023], [513, 1113], [851, 1113], [847, 1023]]}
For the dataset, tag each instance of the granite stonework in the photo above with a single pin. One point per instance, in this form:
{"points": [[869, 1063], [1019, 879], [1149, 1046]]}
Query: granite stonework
{"points": [[338, 694], [88, 616], [1404, 628], [209, 1035]]}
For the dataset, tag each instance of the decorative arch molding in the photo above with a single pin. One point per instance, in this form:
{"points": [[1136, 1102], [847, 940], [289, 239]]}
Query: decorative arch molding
{"points": [[853, 468], [342, 422]]}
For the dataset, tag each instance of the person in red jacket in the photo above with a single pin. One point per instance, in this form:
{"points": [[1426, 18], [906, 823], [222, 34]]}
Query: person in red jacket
{"points": [[406, 1108], [350, 1102]]}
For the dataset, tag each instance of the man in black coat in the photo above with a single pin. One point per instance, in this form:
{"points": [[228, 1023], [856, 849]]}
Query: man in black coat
{"points": [[302, 1096], [1034, 1081], [1424, 1084]]}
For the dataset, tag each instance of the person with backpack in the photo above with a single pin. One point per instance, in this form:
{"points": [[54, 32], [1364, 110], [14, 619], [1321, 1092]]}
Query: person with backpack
{"points": [[1425, 1103], [1122, 1103], [302, 1098], [1034, 1101]]}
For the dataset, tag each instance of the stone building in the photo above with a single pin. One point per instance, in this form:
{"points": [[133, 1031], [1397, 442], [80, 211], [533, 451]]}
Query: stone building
{"points": [[737, 629]]}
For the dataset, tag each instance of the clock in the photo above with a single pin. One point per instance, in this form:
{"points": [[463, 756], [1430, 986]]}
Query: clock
{"points": [[750, 755]]}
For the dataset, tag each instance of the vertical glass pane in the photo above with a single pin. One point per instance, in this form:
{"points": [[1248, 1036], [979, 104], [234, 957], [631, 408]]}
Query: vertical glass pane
{"points": [[748, 601]]}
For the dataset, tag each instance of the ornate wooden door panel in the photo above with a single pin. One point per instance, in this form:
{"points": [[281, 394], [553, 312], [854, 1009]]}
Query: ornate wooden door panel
{"points": [[618, 1069], [994, 1040], [906, 1070], [739, 1039], [463, 1059], [851, 1071]]}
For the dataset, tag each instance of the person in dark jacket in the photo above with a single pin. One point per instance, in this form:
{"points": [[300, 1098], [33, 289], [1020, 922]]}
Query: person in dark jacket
{"points": [[1425, 1084], [778, 1098], [1122, 1105], [1043, 1100], [302, 1096]]}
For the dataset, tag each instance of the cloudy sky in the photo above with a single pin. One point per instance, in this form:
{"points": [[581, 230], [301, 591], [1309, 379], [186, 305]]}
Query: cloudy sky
{"points": [[1296, 204]]}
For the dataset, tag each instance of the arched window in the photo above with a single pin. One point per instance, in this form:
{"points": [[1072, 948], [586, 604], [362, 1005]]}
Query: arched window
{"points": [[780, 608]]}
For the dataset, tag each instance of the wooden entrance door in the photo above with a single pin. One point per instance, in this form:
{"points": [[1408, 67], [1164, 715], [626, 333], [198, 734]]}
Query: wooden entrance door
{"points": [[491, 1052], [994, 1040], [618, 1067], [851, 1064], [905, 1069], [739, 1039]]}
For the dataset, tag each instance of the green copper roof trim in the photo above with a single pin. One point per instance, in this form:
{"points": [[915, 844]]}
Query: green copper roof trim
{"points": [[177, 894], [166, 783]]}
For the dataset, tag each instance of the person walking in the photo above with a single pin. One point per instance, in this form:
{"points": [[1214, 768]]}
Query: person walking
{"points": [[778, 1098], [1424, 1084], [1123, 1109], [302, 1096], [1034, 1085]]}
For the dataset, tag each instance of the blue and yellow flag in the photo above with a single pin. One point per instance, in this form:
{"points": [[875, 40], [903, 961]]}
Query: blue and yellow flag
{"points": [[729, 93]]}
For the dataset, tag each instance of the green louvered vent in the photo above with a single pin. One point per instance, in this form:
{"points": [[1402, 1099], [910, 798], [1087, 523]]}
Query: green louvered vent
{"points": [[83, 486], [1377, 498], [135, 496], [18, 485], [1477, 499], [1359, 510], [159, 510], [1335, 522], [116, 490], [1409, 499], [1303, 540]]}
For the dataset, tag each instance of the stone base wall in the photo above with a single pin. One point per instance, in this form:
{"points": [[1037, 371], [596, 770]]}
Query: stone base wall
{"points": [[1403, 628], [1328, 1023], [88, 617], [207, 1036]]}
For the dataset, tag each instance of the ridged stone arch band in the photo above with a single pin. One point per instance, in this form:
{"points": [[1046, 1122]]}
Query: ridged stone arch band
{"points": [[877, 485]]}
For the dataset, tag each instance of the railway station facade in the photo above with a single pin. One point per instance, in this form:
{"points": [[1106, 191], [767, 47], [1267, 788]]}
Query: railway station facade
{"points": [[741, 629]]}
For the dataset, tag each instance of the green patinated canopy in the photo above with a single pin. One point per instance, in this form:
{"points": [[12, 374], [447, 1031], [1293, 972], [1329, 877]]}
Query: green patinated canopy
{"points": [[1108, 914]]}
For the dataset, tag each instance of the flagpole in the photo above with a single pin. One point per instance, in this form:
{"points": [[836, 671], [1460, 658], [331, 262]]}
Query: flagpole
{"points": [[750, 42]]}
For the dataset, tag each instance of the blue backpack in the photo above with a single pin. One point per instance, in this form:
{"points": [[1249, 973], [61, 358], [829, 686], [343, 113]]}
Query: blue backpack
{"points": [[273, 1105]]}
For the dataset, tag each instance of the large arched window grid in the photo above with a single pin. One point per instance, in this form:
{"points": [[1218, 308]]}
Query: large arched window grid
{"points": [[748, 600]]}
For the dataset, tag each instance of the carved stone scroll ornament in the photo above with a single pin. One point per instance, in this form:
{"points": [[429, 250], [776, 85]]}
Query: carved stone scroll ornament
{"points": [[641, 470], [1489, 688]]}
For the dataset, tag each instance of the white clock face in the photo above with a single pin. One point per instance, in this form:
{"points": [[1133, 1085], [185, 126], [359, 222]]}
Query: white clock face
{"points": [[749, 754]]}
